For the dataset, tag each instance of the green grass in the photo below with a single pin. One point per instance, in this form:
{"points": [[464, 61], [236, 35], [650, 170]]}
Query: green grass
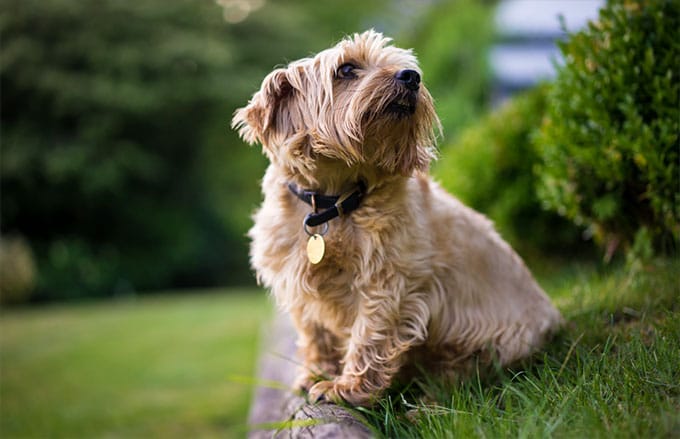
{"points": [[613, 372], [154, 367], [163, 367]]}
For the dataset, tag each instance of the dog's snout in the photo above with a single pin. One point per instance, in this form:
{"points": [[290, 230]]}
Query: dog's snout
{"points": [[410, 78]]}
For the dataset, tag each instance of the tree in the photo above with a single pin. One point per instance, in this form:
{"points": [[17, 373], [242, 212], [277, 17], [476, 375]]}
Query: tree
{"points": [[117, 161]]}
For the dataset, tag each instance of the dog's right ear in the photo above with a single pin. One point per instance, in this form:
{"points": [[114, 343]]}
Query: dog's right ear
{"points": [[259, 119]]}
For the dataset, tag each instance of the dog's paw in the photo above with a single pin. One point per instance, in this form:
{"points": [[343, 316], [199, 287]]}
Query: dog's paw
{"points": [[324, 391], [303, 382], [309, 375], [336, 391]]}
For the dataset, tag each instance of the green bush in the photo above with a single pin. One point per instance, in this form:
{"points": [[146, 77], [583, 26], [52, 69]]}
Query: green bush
{"points": [[104, 104], [118, 165], [490, 168], [609, 144], [17, 270]]}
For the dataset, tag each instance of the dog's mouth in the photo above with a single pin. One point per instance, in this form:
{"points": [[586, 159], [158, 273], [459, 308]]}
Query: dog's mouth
{"points": [[402, 106]]}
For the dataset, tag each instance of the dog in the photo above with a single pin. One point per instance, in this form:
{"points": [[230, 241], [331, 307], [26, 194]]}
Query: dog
{"points": [[381, 270]]}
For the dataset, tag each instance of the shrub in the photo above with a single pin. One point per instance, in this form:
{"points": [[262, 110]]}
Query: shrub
{"points": [[103, 107], [17, 270], [609, 144], [490, 168], [118, 166]]}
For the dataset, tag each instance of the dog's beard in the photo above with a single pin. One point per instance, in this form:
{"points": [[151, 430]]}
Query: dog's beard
{"points": [[403, 105]]}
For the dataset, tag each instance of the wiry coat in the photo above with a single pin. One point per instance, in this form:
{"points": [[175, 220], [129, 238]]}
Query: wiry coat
{"points": [[412, 274]]}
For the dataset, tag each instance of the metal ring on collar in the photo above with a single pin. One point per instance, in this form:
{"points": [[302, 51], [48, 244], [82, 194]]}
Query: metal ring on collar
{"points": [[324, 227]]}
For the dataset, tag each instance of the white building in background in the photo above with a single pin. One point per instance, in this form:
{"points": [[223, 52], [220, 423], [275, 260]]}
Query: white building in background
{"points": [[526, 51]]}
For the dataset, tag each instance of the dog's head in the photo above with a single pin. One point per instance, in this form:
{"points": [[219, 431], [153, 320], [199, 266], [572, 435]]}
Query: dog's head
{"points": [[361, 102]]}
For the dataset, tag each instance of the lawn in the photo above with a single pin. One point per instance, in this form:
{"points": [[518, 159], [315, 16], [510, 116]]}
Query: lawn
{"points": [[614, 371], [158, 366], [173, 366]]}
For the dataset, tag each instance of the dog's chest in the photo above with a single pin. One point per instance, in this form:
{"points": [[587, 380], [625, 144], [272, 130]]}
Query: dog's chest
{"points": [[323, 292], [334, 274]]}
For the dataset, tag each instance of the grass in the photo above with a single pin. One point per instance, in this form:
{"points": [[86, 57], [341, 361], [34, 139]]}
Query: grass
{"points": [[163, 367], [153, 367], [613, 372]]}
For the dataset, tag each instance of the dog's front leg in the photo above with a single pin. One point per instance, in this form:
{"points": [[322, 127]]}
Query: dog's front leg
{"points": [[385, 329], [320, 352]]}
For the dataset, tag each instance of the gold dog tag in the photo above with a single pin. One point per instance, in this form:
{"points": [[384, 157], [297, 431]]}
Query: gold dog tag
{"points": [[315, 248]]}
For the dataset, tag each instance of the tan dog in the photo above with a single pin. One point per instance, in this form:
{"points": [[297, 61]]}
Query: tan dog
{"points": [[400, 273]]}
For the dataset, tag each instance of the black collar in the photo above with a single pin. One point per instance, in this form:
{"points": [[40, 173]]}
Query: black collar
{"points": [[333, 205]]}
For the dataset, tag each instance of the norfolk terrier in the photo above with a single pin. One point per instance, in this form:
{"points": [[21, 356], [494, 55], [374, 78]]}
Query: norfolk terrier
{"points": [[380, 269]]}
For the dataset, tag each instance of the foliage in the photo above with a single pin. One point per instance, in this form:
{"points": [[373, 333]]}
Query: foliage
{"points": [[490, 168], [159, 366], [609, 145], [118, 164], [451, 45], [17, 270]]}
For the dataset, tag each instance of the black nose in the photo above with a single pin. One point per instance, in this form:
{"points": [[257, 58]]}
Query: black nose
{"points": [[410, 78]]}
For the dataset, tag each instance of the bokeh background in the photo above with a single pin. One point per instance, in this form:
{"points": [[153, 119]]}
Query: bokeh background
{"points": [[128, 305], [119, 167], [120, 174]]}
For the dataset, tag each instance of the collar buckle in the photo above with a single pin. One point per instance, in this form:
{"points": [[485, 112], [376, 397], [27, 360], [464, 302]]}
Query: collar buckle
{"points": [[334, 206]]}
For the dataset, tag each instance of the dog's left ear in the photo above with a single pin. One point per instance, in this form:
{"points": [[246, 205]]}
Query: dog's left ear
{"points": [[262, 116]]}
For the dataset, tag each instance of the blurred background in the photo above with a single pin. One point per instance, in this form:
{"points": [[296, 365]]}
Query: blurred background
{"points": [[119, 172]]}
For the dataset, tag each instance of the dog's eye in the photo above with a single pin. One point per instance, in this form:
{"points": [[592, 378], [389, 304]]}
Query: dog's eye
{"points": [[346, 71]]}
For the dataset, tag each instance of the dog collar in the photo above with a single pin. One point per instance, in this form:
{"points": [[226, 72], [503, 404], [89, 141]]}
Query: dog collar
{"points": [[333, 205]]}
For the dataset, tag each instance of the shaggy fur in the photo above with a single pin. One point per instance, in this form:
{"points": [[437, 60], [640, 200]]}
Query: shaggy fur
{"points": [[412, 275]]}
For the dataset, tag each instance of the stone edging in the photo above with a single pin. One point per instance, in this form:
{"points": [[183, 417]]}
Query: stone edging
{"points": [[274, 405]]}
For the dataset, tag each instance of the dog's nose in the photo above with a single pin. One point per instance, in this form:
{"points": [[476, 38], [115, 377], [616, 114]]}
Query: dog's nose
{"points": [[410, 78]]}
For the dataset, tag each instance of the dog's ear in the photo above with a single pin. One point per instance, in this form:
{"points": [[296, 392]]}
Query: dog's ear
{"points": [[262, 116]]}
